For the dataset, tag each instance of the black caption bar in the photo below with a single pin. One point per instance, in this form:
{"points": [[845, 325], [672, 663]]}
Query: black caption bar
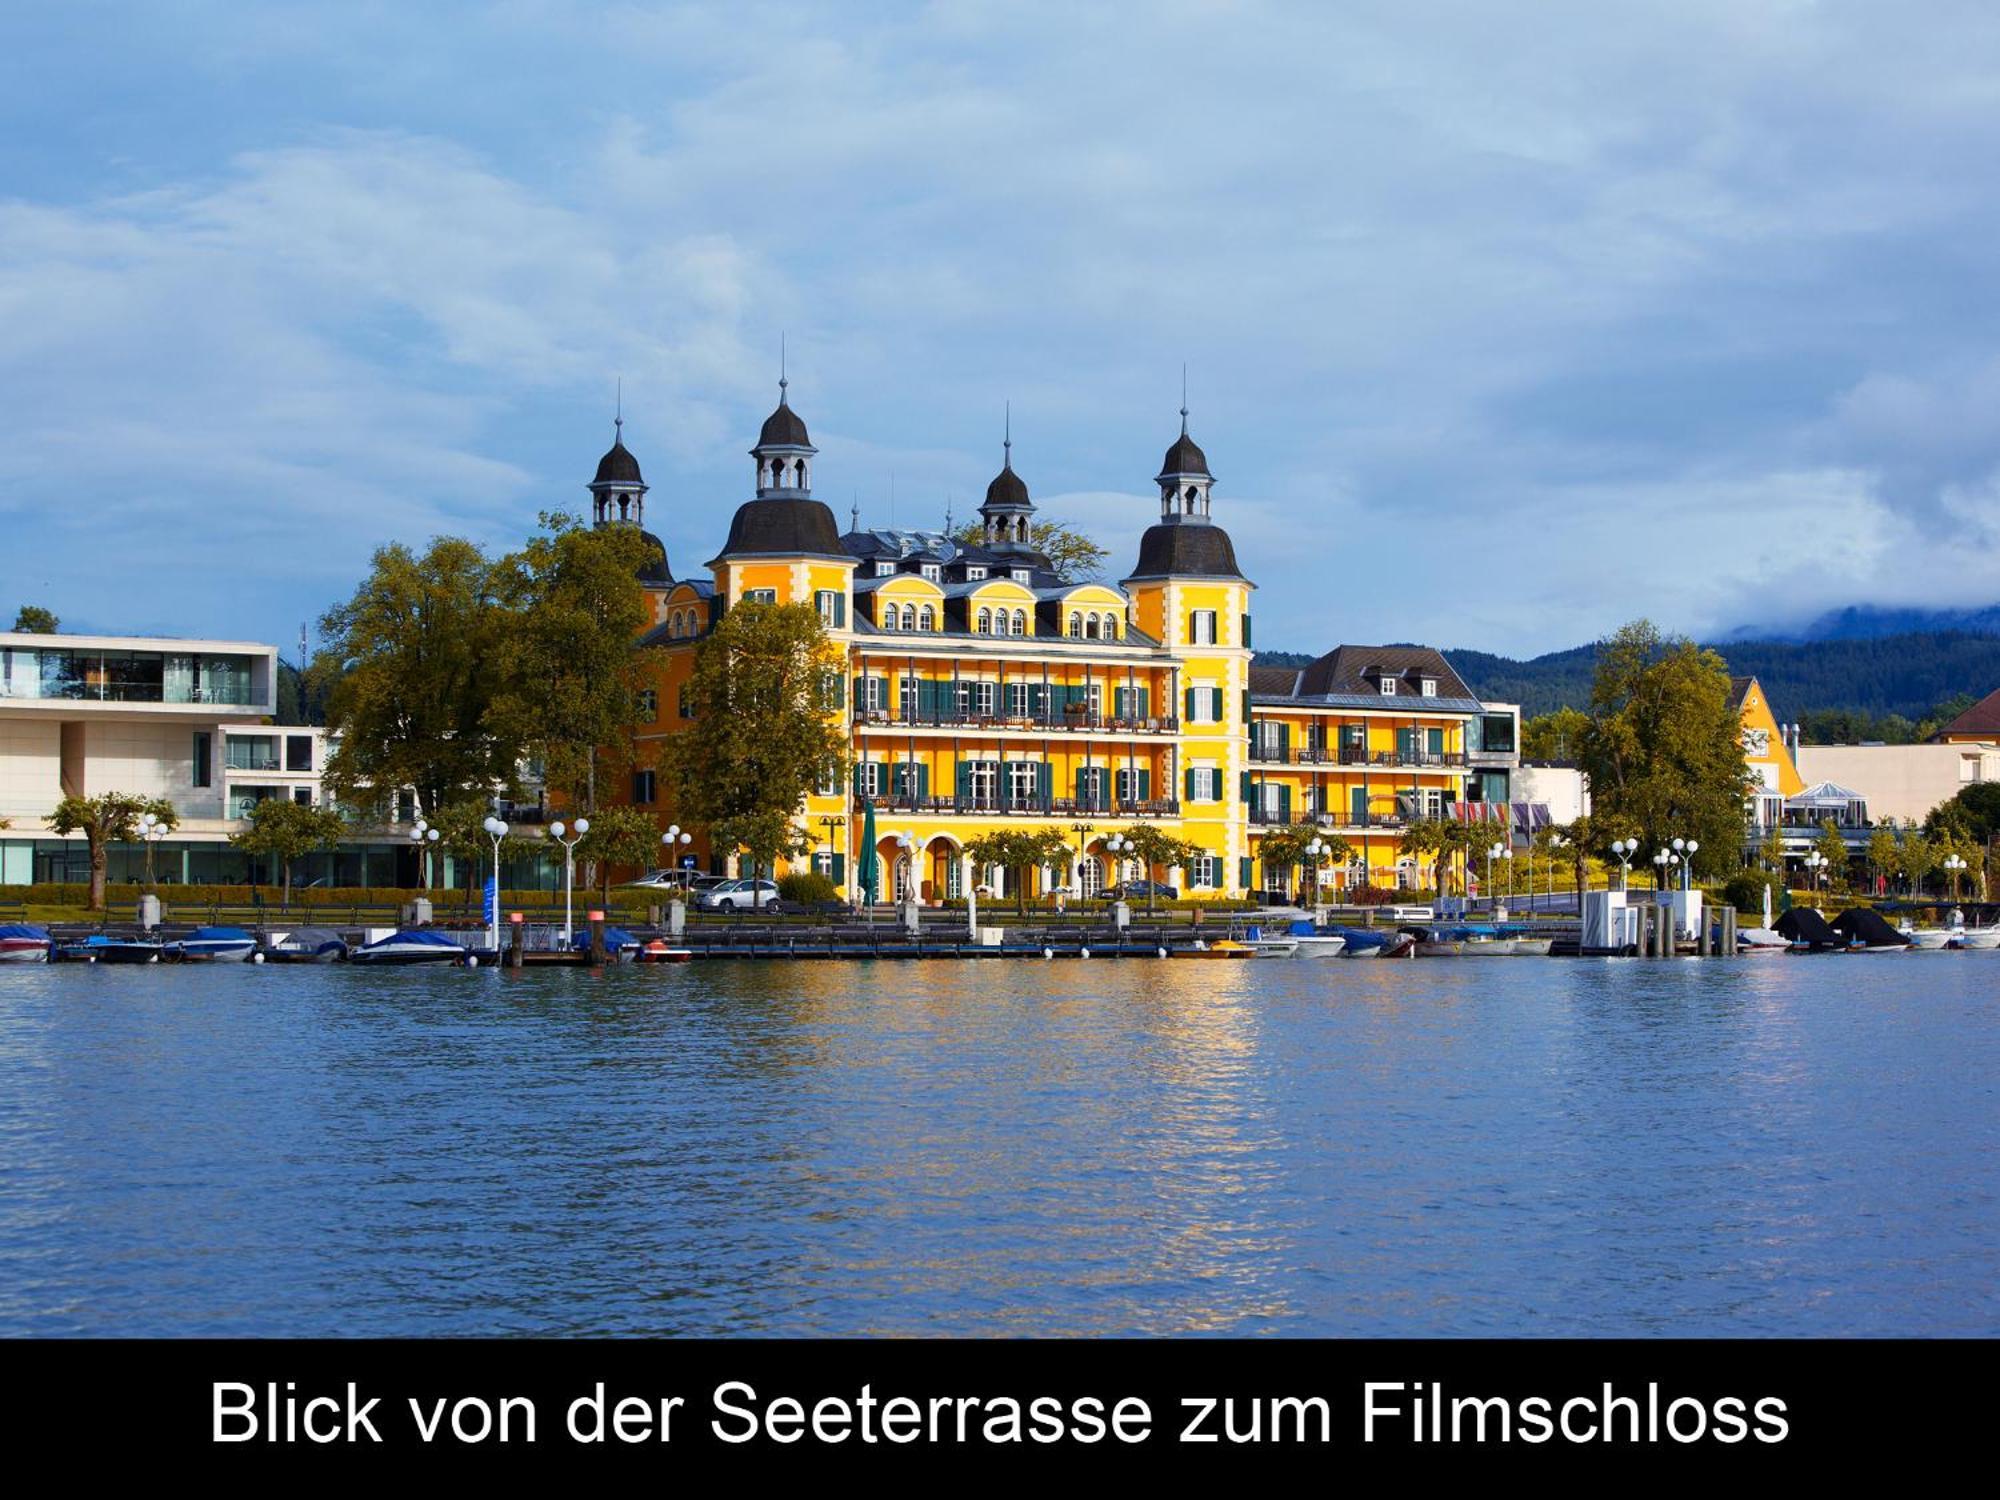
{"points": [[1402, 1407]]}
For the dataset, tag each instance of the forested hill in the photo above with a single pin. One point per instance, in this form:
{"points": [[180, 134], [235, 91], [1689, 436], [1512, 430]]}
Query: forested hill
{"points": [[1905, 674]]}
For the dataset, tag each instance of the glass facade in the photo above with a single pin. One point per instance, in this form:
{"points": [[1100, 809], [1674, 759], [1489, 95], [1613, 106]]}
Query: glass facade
{"points": [[251, 752], [67, 861], [111, 676]]}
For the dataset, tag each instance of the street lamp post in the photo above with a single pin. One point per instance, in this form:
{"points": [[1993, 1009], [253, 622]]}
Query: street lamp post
{"points": [[1953, 863], [424, 836], [1556, 841], [1626, 850], [906, 864], [1814, 863], [1082, 831], [1315, 851], [672, 840], [556, 831], [151, 831], [1660, 869], [496, 830], [1683, 858]]}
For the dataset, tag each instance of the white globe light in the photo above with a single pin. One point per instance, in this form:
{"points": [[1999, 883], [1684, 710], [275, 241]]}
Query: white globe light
{"points": [[687, 838], [1680, 843], [555, 830], [1693, 846], [673, 829], [499, 829], [583, 825]]}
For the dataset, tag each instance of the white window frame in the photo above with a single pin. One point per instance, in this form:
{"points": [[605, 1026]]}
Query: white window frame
{"points": [[1201, 627], [1428, 687], [1388, 687]]}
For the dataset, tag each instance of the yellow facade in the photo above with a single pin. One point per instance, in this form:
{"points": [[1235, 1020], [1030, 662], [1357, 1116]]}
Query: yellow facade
{"points": [[983, 694], [1764, 749]]}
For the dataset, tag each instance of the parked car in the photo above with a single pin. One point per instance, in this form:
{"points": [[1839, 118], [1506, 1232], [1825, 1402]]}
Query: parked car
{"points": [[674, 881], [1139, 890], [738, 895]]}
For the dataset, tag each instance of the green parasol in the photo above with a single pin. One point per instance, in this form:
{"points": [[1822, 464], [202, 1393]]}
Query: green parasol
{"points": [[865, 869]]}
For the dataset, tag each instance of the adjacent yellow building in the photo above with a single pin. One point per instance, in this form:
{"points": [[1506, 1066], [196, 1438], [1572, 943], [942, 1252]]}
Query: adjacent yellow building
{"points": [[983, 691]]}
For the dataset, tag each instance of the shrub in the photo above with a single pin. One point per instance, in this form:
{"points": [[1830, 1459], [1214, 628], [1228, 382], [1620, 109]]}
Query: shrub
{"points": [[1745, 891], [807, 888]]}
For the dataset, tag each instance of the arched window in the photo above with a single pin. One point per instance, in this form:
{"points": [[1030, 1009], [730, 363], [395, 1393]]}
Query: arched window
{"points": [[888, 617], [986, 622], [1020, 622], [929, 619], [1090, 625], [909, 617], [1111, 627], [1075, 624]]}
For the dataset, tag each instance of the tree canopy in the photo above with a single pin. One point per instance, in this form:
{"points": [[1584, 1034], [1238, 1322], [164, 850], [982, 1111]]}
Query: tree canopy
{"points": [[106, 819], [415, 660], [35, 620], [571, 671], [282, 831], [1664, 747], [762, 736]]}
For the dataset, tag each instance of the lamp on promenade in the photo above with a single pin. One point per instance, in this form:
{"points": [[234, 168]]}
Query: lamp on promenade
{"points": [[1814, 863], [1660, 869], [906, 864], [556, 831], [152, 830], [674, 839], [1556, 841], [1315, 852], [1952, 862], [423, 836], [1627, 850], [496, 830], [1683, 856]]}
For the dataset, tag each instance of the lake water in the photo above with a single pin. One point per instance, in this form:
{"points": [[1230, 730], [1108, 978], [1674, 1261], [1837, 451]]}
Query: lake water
{"points": [[1475, 1146]]}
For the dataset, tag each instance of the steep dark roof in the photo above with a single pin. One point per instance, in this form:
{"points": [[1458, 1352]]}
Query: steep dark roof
{"points": [[783, 528], [1739, 689], [618, 467], [1273, 682], [1983, 718], [1358, 669], [1186, 552], [655, 573], [783, 429], [1185, 457], [1008, 491]]}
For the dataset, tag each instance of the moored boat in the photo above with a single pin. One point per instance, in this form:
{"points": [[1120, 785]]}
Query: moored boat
{"points": [[658, 952], [212, 945], [1979, 939], [1932, 939], [1373, 942], [308, 945], [413, 945], [103, 948], [21, 943]]}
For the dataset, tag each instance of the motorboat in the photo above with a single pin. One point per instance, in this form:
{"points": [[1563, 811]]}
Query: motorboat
{"points": [[212, 945], [413, 945], [620, 947], [23, 944], [1275, 947], [1374, 942], [1526, 944], [102, 948], [1979, 939], [1308, 941], [1868, 931], [308, 945], [1932, 939], [658, 952], [1760, 940], [1464, 942], [1224, 948]]}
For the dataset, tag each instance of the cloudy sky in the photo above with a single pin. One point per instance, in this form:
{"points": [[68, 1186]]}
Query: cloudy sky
{"points": [[1504, 323]]}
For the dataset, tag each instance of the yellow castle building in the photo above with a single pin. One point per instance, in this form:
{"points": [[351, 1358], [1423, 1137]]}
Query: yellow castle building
{"points": [[984, 691]]}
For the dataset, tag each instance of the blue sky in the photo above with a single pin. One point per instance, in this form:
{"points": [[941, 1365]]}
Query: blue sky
{"points": [[1504, 324]]}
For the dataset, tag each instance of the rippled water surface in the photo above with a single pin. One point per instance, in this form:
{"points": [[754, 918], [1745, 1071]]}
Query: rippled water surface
{"points": [[1476, 1146]]}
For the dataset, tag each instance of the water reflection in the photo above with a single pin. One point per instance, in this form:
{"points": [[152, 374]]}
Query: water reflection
{"points": [[1105, 1147]]}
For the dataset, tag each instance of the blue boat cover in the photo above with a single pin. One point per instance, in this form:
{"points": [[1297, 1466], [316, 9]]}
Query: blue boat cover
{"points": [[219, 935], [23, 930], [428, 936]]}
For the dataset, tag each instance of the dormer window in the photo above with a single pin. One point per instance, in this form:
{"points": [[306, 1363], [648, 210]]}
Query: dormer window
{"points": [[1388, 687], [1428, 687], [972, 572], [1020, 575], [931, 571], [885, 570]]}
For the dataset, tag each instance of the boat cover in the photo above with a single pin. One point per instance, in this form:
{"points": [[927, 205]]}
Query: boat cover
{"points": [[616, 940], [1802, 924], [1869, 927], [313, 940], [218, 935], [17, 931], [427, 936]]}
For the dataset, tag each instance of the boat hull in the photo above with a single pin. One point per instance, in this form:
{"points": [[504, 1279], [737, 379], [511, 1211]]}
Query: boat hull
{"points": [[402, 956], [216, 953], [1980, 939], [23, 951], [1329, 946]]}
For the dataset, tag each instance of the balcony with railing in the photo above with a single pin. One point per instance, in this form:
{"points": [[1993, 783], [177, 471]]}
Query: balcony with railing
{"points": [[1028, 806], [1267, 754], [1076, 720]]}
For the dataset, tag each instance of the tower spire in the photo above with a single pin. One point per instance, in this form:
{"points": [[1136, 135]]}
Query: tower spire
{"points": [[1183, 398], [618, 420], [783, 383], [1007, 437]]}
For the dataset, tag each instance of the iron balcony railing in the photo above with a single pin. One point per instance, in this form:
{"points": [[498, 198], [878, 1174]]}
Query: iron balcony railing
{"points": [[1030, 806], [1354, 755], [1265, 818], [1067, 722]]}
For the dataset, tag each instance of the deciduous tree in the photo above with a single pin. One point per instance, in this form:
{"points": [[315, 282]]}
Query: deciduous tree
{"points": [[414, 659], [1073, 555], [34, 620], [763, 736], [1664, 748], [106, 819], [282, 831], [1019, 851]]}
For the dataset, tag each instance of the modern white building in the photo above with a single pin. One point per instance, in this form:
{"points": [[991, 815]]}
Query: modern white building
{"points": [[184, 720]]}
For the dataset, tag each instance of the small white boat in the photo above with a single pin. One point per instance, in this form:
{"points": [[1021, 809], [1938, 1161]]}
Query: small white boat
{"points": [[1932, 939], [22, 944], [1276, 947], [1321, 945], [1760, 940], [1979, 939], [1533, 947], [212, 945], [415, 945]]}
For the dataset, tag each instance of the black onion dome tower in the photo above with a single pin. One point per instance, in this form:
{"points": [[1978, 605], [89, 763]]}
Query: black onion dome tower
{"points": [[1007, 511], [784, 520], [618, 498], [1185, 543]]}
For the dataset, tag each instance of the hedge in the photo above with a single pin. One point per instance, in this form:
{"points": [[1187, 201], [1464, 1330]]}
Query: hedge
{"points": [[58, 893]]}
